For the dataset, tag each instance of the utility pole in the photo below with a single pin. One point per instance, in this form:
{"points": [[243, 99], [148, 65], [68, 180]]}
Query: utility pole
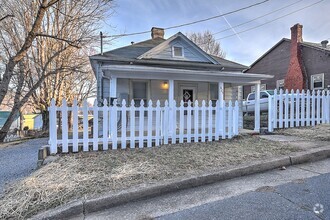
{"points": [[101, 36]]}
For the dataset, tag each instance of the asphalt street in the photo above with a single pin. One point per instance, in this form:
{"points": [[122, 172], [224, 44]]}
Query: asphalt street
{"points": [[301, 199], [299, 192], [17, 161]]}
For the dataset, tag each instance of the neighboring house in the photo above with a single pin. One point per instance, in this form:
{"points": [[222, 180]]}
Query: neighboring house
{"points": [[295, 64], [172, 69], [3, 118], [32, 121]]}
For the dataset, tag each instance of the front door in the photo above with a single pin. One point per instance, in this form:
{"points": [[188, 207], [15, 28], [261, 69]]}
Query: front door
{"points": [[187, 95]]}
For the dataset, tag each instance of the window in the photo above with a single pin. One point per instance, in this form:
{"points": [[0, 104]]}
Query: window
{"points": [[263, 95], [280, 84], [317, 81], [214, 95], [262, 87], [177, 51], [251, 96], [140, 92]]}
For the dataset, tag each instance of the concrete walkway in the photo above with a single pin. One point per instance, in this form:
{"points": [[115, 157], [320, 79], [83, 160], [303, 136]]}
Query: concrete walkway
{"points": [[18, 160]]}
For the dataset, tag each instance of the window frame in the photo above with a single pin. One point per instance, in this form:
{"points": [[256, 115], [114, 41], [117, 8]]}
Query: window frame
{"points": [[173, 51], [278, 82], [147, 90], [313, 81], [261, 88]]}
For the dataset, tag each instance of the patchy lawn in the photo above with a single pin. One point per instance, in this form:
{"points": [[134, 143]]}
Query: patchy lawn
{"points": [[75, 175], [318, 133]]}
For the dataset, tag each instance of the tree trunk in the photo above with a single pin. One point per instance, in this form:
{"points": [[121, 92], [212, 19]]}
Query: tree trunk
{"points": [[45, 120], [6, 127]]}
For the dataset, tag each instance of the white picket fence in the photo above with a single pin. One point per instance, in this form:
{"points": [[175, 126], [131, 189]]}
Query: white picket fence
{"points": [[298, 109], [121, 126]]}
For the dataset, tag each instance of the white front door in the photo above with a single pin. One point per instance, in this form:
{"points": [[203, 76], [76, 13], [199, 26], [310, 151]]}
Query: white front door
{"points": [[188, 93]]}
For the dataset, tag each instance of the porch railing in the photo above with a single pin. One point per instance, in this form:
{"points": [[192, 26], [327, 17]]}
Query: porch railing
{"points": [[298, 109], [74, 128]]}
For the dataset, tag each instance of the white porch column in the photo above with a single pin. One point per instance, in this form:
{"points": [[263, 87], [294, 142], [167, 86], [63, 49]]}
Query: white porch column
{"points": [[113, 87], [170, 91], [257, 108], [221, 90]]}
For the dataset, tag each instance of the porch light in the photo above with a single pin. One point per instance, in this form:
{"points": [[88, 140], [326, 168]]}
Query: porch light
{"points": [[165, 85]]}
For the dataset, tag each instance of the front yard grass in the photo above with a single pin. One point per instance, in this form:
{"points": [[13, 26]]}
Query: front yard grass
{"points": [[74, 175], [318, 133]]}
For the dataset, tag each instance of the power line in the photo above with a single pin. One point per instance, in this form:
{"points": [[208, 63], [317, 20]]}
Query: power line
{"points": [[193, 22], [244, 23], [249, 29]]}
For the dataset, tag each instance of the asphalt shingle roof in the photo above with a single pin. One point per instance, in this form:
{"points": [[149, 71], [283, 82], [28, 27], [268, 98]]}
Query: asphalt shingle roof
{"points": [[135, 50]]}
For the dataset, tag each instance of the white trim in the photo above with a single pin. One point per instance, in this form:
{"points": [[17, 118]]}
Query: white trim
{"points": [[182, 51], [313, 80], [143, 72], [161, 46]]}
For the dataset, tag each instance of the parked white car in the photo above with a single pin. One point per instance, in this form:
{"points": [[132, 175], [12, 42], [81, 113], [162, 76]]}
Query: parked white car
{"points": [[248, 105]]}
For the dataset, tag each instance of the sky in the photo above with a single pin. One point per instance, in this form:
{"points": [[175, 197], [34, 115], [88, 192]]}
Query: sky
{"points": [[131, 16]]}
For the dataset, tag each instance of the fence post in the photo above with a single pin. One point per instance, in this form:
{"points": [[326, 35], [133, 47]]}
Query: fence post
{"points": [[302, 112], [318, 107], [123, 124], [230, 119], [203, 121], [166, 122], [141, 123], [196, 121], [172, 121], [181, 124], [280, 114], [313, 108], [275, 109], [158, 123], [210, 127], [64, 120], [223, 123], [132, 125], [85, 126], [149, 132], [105, 109], [298, 110], [292, 108], [270, 113], [75, 126], [217, 121], [95, 126], [52, 127], [189, 122], [308, 109], [328, 106], [286, 111], [236, 115]]}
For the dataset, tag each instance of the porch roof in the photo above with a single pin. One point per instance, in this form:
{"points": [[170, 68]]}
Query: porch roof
{"points": [[147, 72]]}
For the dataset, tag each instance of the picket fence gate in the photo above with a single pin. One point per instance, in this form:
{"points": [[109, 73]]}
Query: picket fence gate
{"points": [[127, 126], [298, 109]]}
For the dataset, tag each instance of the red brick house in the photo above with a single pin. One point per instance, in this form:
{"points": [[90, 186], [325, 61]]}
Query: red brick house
{"points": [[295, 64]]}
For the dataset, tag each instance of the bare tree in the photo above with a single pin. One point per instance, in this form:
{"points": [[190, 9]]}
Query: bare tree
{"points": [[207, 43], [55, 50]]}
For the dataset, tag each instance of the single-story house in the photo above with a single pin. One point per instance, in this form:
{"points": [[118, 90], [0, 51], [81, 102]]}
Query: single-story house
{"points": [[169, 69], [295, 64], [32, 121], [3, 118]]}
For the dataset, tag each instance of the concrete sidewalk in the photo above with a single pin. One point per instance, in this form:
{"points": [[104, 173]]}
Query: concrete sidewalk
{"points": [[89, 206], [189, 198]]}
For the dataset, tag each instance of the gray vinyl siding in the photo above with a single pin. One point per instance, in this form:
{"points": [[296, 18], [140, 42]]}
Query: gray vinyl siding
{"points": [[190, 54]]}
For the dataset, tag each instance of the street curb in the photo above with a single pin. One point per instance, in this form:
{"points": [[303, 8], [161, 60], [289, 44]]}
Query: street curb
{"points": [[89, 205]]}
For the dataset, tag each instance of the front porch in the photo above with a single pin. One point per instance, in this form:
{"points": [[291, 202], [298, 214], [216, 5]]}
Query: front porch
{"points": [[134, 82]]}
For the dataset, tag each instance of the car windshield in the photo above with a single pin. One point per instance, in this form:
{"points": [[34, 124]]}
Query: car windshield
{"points": [[271, 92]]}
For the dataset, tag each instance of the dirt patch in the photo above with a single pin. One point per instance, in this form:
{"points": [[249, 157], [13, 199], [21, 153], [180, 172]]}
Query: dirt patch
{"points": [[75, 175], [318, 133]]}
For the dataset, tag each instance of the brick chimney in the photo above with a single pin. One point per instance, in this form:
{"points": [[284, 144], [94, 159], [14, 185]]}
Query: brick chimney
{"points": [[157, 32], [295, 77]]}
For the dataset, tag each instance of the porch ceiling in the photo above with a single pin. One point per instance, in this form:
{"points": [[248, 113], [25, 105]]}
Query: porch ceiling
{"points": [[143, 72]]}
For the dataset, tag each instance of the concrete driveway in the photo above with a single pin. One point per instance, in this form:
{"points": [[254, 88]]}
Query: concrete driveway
{"points": [[19, 160]]}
